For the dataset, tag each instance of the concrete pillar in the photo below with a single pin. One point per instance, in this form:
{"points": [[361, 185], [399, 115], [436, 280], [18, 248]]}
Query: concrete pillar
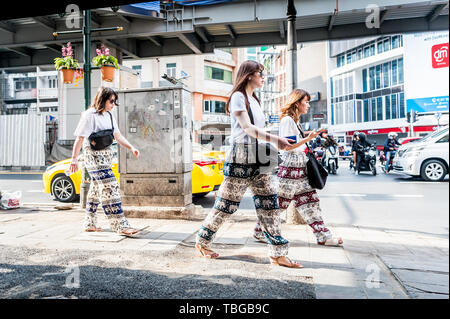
{"points": [[292, 216]]}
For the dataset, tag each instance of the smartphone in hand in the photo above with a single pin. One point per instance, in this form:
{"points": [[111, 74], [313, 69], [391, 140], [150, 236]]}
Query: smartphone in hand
{"points": [[292, 138]]}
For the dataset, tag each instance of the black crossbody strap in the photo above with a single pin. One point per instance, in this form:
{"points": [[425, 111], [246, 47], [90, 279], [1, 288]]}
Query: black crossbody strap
{"points": [[112, 124], [250, 114], [303, 136]]}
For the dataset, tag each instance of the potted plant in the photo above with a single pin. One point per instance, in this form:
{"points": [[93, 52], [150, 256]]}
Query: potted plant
{"points": [[106, 62], [67, 64]]}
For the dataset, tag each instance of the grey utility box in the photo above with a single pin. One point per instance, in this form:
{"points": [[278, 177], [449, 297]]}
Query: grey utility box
{"points": [[158, 123]]}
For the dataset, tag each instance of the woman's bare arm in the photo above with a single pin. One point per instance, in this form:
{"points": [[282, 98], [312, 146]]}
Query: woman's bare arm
{"points": [[124, 142]]}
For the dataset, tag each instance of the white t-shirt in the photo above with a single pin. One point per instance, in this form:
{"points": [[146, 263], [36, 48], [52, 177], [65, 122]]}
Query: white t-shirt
{"points": [[92, 122], [288, 127], [237, 103]]}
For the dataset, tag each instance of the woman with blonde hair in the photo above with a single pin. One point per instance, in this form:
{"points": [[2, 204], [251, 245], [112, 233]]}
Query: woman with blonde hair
{"points": [[95, 132], [292, 174], [241, 171]]}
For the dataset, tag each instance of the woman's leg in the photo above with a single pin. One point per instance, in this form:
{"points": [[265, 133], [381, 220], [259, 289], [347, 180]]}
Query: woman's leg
{"points": [[228, 199], [92, 202], [267, 210]]}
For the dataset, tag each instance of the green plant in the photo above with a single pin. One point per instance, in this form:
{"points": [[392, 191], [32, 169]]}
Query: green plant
{"points": [[67, 61], [104, 58]]}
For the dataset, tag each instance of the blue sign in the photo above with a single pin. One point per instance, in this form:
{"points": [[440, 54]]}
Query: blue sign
{"points": [[274, 119], [429, 104]]}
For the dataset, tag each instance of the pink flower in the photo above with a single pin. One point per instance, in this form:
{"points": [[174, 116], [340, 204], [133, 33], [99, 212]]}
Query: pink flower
{"points": [[98, 52], [106, 51]]}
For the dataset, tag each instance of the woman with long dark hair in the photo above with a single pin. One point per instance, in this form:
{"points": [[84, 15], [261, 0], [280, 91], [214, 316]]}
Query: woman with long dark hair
{"points": [[103, 188], [240, 171], [292, 174]]}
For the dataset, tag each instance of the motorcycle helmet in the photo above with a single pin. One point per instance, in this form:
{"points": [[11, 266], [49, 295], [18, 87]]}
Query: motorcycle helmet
{"points": [[392, 135], [362, 137], [355, 134]]}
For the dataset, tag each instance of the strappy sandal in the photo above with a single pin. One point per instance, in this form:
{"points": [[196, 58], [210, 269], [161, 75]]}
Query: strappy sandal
{"points": [[206, 253], [129, 232], [93, 229], [260, 238], [292, 264], [332, 242]]}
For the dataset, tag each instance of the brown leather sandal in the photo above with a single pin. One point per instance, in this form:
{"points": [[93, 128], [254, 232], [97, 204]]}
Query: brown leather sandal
{"points": [[206, 253], [93, 229], [292, 264], [129, 232]]}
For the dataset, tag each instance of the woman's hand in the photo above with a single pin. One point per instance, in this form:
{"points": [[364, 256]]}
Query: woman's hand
{"points": [[313, 134], [285, 144], [73, 168], [135, 152]]}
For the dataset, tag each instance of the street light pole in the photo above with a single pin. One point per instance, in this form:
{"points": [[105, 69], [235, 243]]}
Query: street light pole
{"points": [[291, 46]]}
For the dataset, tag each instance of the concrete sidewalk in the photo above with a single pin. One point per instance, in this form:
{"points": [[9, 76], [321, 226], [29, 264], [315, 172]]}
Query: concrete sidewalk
{"points": [[41, 247]]}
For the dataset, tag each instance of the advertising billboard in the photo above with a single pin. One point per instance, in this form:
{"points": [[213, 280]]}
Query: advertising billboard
{"points": [[426, 67]]}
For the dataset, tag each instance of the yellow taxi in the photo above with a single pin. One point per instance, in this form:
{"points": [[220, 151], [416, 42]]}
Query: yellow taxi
{"points": [[207, 175]]}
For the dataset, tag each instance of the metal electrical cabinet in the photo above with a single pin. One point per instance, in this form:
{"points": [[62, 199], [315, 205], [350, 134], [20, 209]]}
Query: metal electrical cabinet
{"points": [[158, 123]]}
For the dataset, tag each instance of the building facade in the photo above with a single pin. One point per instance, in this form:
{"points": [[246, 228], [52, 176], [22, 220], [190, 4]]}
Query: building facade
{"points": [[373, 83]]}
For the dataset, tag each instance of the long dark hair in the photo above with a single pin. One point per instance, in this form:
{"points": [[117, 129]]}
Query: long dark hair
{"points": [[103, 95], [246, 69]]}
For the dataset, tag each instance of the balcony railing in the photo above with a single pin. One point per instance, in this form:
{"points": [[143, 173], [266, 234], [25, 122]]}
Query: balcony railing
{"points": [[214, 118], [48, 93]]}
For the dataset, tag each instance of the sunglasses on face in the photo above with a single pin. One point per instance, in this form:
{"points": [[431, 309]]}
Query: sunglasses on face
{"points": [[262, 74], [113, 101]]}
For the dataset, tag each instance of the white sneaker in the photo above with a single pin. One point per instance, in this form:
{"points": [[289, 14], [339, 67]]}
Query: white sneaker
{"points": [[356, 173]]}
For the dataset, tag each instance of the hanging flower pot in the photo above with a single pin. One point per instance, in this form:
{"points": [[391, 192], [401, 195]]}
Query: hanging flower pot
{"points": [[106, 62], [68, 75], [67, 64], [108, 73]]}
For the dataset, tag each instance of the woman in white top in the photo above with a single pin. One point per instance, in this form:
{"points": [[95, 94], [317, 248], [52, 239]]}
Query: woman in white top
{"points": [[103, 187], [241, 171], [292, 174]]}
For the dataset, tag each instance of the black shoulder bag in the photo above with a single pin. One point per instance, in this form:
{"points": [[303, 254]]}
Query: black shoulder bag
{"points": [[102, 139], [266, 154], [317, 175]]}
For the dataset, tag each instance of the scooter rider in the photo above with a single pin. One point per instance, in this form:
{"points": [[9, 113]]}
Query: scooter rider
{"points": [[330, 141], [354, 140], [389, 149], [360, 145]]}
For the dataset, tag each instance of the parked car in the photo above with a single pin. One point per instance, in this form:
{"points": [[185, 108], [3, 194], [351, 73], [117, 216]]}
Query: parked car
{"points": [[405, 140], [427, 157], [206, 177]]}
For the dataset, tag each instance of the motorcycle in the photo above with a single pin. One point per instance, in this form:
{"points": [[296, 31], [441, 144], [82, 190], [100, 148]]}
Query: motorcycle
{"points": [[331, 159], [319, 153], [368, 162]]}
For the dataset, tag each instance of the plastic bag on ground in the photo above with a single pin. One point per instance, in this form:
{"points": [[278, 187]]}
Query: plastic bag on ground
{"points": [[10, 200]]}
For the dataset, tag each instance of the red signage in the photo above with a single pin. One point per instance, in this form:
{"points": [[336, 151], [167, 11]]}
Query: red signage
{"points": [[439, 55], [405, 129]]}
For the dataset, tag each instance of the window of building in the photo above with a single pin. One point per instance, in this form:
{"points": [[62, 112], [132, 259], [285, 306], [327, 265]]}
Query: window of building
{"points": [[138, 69], [349, 112], [212, 73], [394, 106], [394, 72], [349, 58], [364, 79], [359, 112], [331, 87], [359, 54], [378, 77], [171, 69], [386, 75], [386, 44], [387, 107], [332, 114], [379, 109], [380, 47], [400, 70], [214, 107], [354, 56], [372, 78], [26, 85], [33, 84], [366, 110], [373, 106], [401, 102], [395, 42], [366, 51], [18, 85], [372, 49]]}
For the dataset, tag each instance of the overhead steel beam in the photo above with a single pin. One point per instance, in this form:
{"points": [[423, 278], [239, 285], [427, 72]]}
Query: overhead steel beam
{"points": [[123, 18], [53, 48], [282, 30], [191, 41], [332, 20], [125, 49], [203, 34], [436, 12], [22, 51], [156, 40], [6, 26], [384, 14], [46, 22], [231, 31], [96, 20]]}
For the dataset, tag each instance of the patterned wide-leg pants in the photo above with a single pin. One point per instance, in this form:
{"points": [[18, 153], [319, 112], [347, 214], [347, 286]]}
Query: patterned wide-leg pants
{"points": [[103, 189], [294, 187], [237, 178]]}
